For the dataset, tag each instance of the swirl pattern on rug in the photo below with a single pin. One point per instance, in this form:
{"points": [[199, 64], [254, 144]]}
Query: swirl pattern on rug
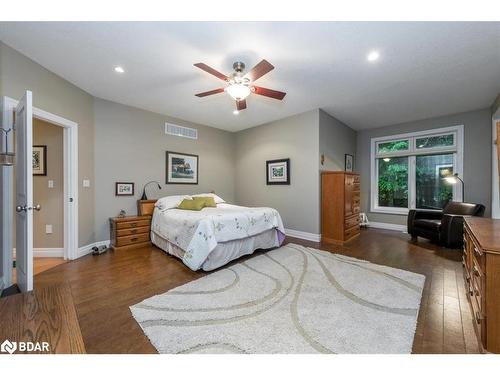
{"points": [[289, 300]]}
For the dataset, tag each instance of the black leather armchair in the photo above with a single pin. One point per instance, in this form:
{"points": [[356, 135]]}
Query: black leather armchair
{"points": [[444, 227]]}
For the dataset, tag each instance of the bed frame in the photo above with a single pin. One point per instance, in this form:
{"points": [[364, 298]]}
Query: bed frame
{"points": [[146, 207]]}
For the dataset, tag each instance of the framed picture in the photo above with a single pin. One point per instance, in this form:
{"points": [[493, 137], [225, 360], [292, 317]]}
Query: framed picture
{"points": [[124, 189], [349, 163], [181, 168], [278, 172], [39, 160]]}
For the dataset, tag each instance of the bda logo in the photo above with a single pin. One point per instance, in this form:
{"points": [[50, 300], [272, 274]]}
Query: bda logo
{"points": [[9, 347]]}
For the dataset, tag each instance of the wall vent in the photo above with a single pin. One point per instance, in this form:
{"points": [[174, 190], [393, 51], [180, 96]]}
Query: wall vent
{"points": [[181, 131]]}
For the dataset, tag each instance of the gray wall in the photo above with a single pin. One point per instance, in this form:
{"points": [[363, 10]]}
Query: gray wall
{"points": [[297, 138], [51, 199], [130, 146], [56, 95], [477, 157], [335, 140]]}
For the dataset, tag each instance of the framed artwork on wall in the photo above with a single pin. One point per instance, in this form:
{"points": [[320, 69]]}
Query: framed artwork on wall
{"points": [[278, 172], [39, 160], [124, 189], [181, 168], [349, 163]]}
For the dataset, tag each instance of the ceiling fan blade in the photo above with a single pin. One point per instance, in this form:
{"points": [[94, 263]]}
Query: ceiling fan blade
{"points": [[212, 71], [268, 92], [206, 93], [259, 70], [241, 104]]}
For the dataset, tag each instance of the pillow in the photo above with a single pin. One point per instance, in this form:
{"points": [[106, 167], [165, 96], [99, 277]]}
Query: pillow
{"points": [[207, 201], [195, 204], [172, 201], [217, 199]]}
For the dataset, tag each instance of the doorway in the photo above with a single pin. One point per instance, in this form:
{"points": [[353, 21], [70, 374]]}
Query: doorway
{"points": [[69, 188]]}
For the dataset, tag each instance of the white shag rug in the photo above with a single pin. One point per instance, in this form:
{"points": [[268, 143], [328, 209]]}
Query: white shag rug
{"points": [[289, 300]]}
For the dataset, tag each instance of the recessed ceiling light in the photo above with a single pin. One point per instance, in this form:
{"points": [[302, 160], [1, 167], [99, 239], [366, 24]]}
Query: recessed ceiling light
{"points": [[119, 69], [236, 112], [373, 56]]}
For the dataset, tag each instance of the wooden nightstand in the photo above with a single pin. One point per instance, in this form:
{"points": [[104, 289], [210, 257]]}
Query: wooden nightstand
{"points": [[130, 232]]}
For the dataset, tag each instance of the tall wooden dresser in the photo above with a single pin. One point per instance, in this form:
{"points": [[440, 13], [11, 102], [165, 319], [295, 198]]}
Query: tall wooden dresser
{"points": [[481, 261], [340, 206]]}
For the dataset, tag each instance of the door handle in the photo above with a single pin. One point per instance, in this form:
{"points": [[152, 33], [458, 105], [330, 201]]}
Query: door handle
{"points": [[25, 208]]}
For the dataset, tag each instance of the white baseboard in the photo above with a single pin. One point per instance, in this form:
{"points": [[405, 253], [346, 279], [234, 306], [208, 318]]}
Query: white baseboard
{"points": [[395, 227], [303, 235], [87, 249], [45, 252]]}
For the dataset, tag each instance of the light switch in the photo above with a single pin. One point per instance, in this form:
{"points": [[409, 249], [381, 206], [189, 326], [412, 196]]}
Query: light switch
{"points": [[86, 183], [51, 184], [48, 229]]}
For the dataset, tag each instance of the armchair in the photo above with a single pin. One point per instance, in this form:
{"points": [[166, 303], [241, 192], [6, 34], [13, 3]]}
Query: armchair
{"points": [[444, 227]]}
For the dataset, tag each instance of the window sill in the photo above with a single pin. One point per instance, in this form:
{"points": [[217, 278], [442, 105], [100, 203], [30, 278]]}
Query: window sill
{"points": [[401, 211]]}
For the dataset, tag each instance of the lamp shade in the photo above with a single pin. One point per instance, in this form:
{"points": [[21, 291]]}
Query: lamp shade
{"points": [[238, 91]]}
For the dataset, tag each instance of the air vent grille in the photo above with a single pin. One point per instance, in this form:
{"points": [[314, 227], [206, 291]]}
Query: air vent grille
{"points": [[181, 131]]}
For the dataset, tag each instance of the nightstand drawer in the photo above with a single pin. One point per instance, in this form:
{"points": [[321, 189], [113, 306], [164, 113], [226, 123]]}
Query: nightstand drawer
{"points": [[133, 224], [130, 240], [131, 231]]}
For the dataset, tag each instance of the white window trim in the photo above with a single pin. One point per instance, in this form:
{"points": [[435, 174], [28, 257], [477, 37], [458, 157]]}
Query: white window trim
{"points": [[457, 149]]}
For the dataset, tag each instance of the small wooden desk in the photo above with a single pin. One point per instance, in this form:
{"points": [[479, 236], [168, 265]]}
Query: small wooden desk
{"points": [[481, 260]]}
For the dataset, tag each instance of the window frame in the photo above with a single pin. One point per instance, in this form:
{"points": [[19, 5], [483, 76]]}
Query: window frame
{"points": [[412, 153]]}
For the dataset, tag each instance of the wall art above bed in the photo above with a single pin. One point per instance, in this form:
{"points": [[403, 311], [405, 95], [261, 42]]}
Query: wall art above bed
{"points": [[278, 172], [181, 168]]}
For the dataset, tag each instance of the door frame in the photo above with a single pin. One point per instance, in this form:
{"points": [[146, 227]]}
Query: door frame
{"points": [[70, 166]]}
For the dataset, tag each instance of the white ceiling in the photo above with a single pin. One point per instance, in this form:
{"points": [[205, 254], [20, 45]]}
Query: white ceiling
{"points": [[425, 70]]}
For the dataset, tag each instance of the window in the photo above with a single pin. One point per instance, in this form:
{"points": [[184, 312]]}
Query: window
{"points": [[408, 170]]}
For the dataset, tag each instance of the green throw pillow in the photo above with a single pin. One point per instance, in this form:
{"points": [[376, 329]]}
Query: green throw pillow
{"points": [[191, 204], [207, 201]]}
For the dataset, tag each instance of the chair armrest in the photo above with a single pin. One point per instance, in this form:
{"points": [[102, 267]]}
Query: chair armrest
{"points": [[422, 214], [452, 230]]}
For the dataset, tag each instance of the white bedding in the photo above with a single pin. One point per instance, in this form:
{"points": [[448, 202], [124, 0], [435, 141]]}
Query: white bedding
{"points": [[199, 232]]}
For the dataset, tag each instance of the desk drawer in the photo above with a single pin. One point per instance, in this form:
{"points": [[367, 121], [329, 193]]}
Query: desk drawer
{"points": [[132, 224], [130, 240]]}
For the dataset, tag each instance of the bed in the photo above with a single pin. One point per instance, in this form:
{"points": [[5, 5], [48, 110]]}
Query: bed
{"points": [[214, 236]]}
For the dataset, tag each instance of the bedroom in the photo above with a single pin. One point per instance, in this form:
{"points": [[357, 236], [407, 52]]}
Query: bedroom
{"points": [[295, 205]]}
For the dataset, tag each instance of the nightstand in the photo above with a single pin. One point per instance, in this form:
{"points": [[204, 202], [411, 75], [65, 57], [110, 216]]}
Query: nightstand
{"points": [[130, 232]]}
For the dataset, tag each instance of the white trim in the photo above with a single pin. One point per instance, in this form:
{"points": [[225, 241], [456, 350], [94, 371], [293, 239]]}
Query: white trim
{"points": [[70, 189], [45, 252], [457, 150], [395, 227], [303, 235], [87, 249]]}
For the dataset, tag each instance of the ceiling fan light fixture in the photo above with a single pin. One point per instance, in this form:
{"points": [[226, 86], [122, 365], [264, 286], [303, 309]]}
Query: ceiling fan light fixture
{"points": [[238, 91]]}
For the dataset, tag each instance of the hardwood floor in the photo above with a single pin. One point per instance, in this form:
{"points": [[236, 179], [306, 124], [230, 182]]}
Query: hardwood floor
{"points": [[103, 287], [41, 265]]}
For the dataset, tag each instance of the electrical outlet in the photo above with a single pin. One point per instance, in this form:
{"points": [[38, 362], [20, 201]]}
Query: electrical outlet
{"points": [[86, 183], [51, 184], [48, 229]]}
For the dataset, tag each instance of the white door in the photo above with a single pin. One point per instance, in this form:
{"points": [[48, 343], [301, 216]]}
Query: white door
{"points": [[24, 193]]}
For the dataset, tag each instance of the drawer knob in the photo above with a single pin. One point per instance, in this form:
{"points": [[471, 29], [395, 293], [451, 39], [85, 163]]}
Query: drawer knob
{"points": [[133, 231], [479, 317], [133, 224], [133, 239]]}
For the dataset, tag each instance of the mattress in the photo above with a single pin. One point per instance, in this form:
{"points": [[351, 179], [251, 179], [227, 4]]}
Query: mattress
{"points": [[224, 252]]}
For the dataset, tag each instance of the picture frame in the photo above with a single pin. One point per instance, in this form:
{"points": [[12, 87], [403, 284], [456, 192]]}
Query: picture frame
{"points": [[278, 172], [124, 189], [39, 160], [181, 168], [349, 163]]}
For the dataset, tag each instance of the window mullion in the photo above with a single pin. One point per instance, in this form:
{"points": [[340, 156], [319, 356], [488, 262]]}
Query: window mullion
{"points": [[412, 182]]}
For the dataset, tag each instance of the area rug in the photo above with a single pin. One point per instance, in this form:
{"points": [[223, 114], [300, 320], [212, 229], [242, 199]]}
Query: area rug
{"points": [[289, 300]]}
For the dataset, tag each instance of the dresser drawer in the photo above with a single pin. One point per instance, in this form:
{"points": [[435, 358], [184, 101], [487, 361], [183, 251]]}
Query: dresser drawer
{"points": [[132, 224], [352, 222], [356, 179], [130, 240], [131, 231]]}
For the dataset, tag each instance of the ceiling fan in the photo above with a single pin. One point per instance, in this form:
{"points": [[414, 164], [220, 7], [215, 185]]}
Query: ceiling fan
{"points": [[240, 84]]}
